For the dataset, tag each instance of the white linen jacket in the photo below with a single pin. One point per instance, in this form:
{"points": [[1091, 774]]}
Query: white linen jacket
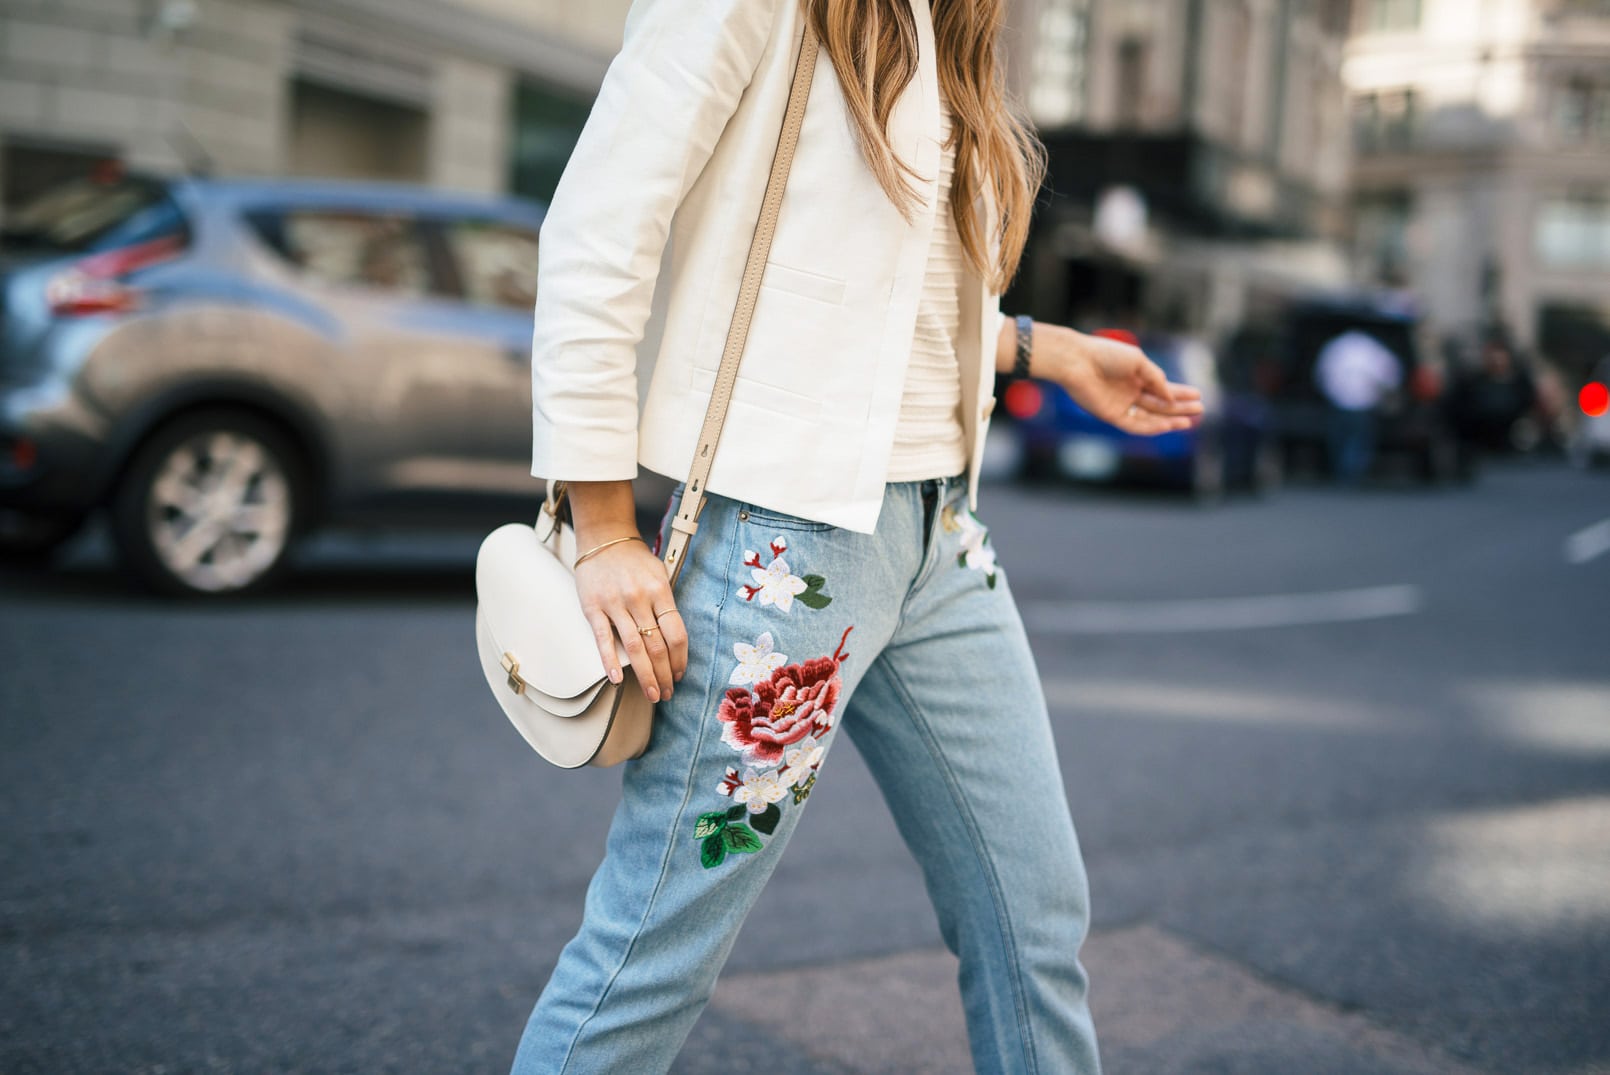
{"points": [[643, 248]]}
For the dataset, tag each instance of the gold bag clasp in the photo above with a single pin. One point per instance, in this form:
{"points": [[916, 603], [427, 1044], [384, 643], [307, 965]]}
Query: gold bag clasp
{"points": [[512, 667]]}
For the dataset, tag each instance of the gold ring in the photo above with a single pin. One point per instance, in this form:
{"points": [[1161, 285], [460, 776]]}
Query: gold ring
{"points": [[673, 608], [647, 630]]}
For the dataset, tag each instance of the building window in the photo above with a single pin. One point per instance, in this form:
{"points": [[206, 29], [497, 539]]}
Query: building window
{"points": [[336, 132], [1574, 231], [1384, 120], [1381, 235], [1057, 85], [1131, 81], [546, 126], [1582, 112], [1391, 16]]}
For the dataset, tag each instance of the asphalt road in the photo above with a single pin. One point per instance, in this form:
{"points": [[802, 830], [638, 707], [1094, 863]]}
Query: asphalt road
{"points": [[1339, 762]]}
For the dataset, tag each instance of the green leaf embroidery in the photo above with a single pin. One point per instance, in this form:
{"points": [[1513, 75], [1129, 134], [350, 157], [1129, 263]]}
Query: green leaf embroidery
{"points": [[803, 791], [709, 823], [961, 558], [737, 812], [740, 838], [767, 822], [714, 849], [991, 578], [812, 597]]}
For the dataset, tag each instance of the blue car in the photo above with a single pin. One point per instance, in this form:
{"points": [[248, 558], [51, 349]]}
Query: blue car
{"points": [[223, 365], [1229, 447]]}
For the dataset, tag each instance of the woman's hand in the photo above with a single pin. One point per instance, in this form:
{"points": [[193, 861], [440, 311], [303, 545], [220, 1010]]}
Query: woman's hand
{"points": [[1114, 381], [624, 588]]}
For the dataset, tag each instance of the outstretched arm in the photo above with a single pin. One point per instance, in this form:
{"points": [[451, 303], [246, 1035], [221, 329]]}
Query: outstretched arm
{"points": [[1114, 381]]}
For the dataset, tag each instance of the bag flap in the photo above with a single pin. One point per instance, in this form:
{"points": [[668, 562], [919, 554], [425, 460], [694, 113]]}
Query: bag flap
{"points": [[529, 600]]}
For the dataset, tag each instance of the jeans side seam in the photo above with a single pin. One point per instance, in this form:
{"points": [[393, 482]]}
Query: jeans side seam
{"points": [[678, 814], [1004, 921]]}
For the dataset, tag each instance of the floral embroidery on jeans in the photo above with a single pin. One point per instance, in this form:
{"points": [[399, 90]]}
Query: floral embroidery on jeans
{"points": [[976, 552], [755, 662], [777, 730], [775, 584]]}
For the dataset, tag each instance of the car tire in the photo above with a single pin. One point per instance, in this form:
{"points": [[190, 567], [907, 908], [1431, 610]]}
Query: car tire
{"points": [[210, 505], [33, 541]]}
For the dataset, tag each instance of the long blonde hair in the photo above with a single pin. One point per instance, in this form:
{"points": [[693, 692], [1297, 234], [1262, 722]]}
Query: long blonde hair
{"points": [[873, 46]]}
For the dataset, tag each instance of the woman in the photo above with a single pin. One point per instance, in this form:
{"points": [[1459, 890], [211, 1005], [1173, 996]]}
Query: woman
{"points": [[838, 577]]}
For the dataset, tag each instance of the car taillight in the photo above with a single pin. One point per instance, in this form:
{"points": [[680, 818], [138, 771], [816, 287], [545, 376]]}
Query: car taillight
{"points": [[1023, 399], [94, 285], [1425, 384], [1594, 399]]}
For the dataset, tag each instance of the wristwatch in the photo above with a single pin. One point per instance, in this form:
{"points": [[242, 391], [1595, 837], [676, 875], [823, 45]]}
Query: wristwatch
{"points": [[1025, 344]]}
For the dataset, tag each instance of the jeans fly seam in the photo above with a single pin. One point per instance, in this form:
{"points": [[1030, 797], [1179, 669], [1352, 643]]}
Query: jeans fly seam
{"points": [[929, 555], [1019, 998], [678, 814]]}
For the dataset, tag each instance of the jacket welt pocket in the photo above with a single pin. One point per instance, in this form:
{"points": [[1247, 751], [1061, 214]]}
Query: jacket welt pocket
{"points": [[811, 285]]}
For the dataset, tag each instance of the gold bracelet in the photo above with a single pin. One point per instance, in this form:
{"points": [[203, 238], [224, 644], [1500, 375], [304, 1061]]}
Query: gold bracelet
{"points": [[605, 545]]}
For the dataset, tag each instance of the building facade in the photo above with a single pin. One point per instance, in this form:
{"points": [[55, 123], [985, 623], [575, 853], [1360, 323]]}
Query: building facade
{"points": [[480, 95], [1483, 166], [1198, 156]]}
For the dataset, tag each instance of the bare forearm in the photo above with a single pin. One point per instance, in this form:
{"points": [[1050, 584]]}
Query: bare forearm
{"points": [[1051, 348], [602, 510]]}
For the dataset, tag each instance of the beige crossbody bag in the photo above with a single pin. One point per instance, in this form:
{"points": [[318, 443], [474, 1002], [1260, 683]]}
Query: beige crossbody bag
{"points": [[536, 646]]}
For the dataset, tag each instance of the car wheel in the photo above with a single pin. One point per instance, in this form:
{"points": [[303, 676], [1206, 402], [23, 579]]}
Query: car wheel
{"points": [[31, 541], [210, 505]]}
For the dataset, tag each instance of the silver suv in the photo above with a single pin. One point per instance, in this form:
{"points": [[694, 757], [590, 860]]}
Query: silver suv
{"points": [[224, 364]]}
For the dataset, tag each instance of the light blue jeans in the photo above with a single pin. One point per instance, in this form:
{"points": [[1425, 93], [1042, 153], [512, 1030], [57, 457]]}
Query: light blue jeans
{"points": [[909, 640]]}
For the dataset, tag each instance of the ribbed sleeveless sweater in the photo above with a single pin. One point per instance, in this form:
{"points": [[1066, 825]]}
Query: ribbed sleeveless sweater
{"points": [[929, 440]]}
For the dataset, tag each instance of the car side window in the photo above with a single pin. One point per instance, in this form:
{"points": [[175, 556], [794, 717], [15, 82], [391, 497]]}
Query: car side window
{"points": [[497, 262], [373, 251]]}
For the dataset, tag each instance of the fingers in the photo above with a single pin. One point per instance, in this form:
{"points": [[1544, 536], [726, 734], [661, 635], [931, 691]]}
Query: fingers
{"points": [[1153, 379], [1186, 401], [621, 589], [1148, 424], [604, 637], [675, 633], [639, 650]]}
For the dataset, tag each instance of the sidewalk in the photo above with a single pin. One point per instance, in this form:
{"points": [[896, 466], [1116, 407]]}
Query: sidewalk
{"points": [[1162, 1007]]}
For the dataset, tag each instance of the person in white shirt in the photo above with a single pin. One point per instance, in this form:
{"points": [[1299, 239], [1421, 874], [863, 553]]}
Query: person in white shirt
{"points": [[1355, 370]]}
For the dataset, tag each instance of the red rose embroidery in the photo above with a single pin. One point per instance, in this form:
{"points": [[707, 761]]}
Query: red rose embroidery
{"points": [[796, 700]]}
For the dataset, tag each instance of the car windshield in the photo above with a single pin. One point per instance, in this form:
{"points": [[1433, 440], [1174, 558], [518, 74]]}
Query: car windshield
{"points": [[86, 215]]}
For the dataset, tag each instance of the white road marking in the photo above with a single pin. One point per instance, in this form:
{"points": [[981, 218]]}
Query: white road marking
{"points": [[1221, 613], [1588, 543]]}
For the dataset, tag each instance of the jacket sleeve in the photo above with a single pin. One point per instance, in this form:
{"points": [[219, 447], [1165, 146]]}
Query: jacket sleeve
{"points": [[664, 101]]}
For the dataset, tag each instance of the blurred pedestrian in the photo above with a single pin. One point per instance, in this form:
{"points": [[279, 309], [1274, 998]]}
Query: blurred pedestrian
{"points": [[1488, 401], [1355, 371], [839, 576]]}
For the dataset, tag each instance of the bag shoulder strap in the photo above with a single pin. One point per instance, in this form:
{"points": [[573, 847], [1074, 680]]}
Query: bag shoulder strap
{"points": [[685, 522]]}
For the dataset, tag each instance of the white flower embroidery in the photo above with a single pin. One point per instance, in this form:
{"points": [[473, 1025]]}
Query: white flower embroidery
{"points": [[757, 790], [755, 662], [773, 582], [800, 761], [975, 553]]}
